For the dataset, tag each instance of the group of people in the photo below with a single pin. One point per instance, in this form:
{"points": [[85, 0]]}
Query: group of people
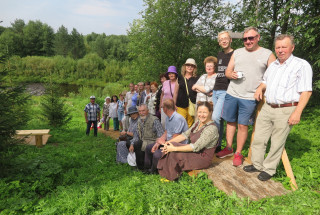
{"points": [[160, 127]]}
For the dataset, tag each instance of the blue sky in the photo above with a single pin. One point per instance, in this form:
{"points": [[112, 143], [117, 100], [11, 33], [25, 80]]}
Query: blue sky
{"points": [[99, 16]]}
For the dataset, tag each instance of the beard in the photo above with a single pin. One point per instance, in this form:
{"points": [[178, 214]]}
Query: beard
{"points": [[143, 117]]}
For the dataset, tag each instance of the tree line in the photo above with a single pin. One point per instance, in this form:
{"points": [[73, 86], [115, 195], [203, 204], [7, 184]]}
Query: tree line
{"points": [[168, 33]]}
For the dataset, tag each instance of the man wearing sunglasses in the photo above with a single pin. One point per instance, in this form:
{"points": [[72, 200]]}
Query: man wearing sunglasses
{"points": [[245, 71], [287, 84]]}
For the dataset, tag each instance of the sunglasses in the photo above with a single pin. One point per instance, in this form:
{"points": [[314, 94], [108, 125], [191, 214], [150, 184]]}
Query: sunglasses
{"points": [[248, 38]]}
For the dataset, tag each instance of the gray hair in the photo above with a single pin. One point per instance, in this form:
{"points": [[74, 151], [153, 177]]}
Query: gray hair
{"points": [[283, 36], [144, 105], [246, 30]]}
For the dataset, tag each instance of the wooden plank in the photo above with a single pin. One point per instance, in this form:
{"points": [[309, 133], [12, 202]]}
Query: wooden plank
{"points": [[38, 141], [288, 169], [32, 132], [231, 179]]}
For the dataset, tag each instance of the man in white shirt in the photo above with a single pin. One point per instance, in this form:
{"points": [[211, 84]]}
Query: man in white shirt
{"points": [[287, 84]]}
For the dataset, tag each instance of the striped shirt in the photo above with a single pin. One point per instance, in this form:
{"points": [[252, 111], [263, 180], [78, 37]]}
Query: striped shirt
{"points": [[92, 111], [285, 82]]}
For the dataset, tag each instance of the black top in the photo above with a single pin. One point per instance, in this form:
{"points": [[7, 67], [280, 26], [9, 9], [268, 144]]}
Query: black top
{"points": [[222, 82], [182, 98]]}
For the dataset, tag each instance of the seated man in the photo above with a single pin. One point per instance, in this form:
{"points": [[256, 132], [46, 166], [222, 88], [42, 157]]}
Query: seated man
{"points": [[175, 124], [123, 145], [149, 129]]}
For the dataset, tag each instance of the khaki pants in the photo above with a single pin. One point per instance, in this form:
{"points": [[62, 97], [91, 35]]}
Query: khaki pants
{"points": [[184, 112], [270, 122]]}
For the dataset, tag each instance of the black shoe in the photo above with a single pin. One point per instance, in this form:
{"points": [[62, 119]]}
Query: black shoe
{"points": [[263, 176], [250, 168]]}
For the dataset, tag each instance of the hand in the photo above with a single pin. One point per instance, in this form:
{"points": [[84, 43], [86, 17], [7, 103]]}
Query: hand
{"points": [[168, 147], [155, 147], [160, 141], [131, 148], [123, 133], [294, 118], [194, 87], [234, 75], [210, 94], [258, 94]]}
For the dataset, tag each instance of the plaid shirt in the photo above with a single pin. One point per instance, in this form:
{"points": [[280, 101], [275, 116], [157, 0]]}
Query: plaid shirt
{"points": [[92, 111]]}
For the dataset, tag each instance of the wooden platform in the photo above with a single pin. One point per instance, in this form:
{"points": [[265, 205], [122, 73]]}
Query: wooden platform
{"points": [[231, 179]]}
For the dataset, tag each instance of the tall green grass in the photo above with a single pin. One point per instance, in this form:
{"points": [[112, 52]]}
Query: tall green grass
{"points": [[76, 174]]}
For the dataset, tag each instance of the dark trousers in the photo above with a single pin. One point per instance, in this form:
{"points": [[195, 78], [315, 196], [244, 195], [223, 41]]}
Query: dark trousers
{"points": [[115, 124], [151, 159], [139, 154], [94, 127]]}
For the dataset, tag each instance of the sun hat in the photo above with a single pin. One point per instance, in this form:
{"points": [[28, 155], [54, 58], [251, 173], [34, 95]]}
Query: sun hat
{"points": [[132, 110], [172, 69], [191, 61], [108, 97], [92, 97]]}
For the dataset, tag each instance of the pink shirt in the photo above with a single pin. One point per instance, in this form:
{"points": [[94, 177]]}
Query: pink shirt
{"points": [[167, 94]]}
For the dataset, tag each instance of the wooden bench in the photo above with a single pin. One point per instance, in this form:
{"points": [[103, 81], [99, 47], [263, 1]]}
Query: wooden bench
{"points": [[41, 136]]}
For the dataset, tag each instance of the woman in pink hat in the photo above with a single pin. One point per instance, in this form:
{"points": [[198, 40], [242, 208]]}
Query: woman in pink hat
{"points": [[168, 89]]}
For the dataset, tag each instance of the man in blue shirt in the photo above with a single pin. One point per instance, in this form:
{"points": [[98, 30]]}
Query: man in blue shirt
{"points": [[175, 124], [91, 113]]}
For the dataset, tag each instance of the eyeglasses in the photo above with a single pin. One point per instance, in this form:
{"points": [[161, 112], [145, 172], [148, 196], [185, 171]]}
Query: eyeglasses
{"points": [[248, 38]]}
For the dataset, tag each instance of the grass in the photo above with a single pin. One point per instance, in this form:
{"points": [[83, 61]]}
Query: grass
{"points": [[76, 174]]}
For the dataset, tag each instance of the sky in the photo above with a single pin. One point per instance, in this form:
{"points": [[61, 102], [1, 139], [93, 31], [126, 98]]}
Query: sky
{"points": [[87, 16]]}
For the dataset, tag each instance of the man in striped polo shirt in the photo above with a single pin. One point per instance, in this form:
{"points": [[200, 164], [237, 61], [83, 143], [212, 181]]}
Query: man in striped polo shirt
{"points": [[287, 84], [92, 115]]}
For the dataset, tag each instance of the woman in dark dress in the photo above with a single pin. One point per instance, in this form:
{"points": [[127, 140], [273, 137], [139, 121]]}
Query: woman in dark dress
{"points": [[177, 157]]}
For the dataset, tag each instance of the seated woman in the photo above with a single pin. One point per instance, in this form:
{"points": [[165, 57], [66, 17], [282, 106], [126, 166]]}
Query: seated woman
{"points": [[203, 135], [122, 148]]}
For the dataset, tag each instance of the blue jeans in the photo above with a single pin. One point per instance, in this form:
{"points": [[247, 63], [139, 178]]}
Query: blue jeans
{"points": [[218, 97]]}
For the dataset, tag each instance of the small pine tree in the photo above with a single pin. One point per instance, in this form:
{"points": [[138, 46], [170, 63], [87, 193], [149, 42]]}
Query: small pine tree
{"points": [[53, 107], [13, 105]]}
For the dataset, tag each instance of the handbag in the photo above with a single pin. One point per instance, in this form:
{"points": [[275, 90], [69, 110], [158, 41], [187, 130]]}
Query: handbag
{"points": [[191, 107]]}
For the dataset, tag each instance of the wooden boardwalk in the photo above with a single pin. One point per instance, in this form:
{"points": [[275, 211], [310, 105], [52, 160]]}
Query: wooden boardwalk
{"points": [[231, 179]]}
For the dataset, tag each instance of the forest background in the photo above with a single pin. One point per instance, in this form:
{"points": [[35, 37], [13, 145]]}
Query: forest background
{"points": [[168, 33]]}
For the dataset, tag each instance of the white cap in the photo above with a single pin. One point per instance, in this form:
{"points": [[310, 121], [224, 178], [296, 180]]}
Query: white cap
{"points": [[92, 97]]}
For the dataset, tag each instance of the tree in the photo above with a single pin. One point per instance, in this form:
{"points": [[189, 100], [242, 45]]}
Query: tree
{"points": [[53, 107], [77, 44], [12, 106], [32, 40], [170, 32], [62, 42]]}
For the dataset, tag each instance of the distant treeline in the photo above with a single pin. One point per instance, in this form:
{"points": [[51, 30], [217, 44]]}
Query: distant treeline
{"points": [[39, 39]]}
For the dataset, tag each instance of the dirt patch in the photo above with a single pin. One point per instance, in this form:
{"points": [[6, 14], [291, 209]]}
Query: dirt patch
{"points": [[111, 133]]}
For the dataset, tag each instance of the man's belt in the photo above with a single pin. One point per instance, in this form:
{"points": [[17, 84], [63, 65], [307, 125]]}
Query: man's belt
{"points": [[284, 105]]}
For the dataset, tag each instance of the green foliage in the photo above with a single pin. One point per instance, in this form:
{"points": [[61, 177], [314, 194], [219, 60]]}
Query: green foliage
{"points": [[53, 108], [13, 110], [172, 31], [62, 42]]}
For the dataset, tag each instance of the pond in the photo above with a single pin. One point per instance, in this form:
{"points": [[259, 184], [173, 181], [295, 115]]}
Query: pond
{"points": [[38, 89]]}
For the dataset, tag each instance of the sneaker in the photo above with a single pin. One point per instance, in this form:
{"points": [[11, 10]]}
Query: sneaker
{"points": [[238, 159], [225, 152]]}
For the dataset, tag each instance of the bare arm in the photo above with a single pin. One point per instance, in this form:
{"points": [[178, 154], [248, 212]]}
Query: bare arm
{"points": [[177, 138], [175, 93], [296, 115], [171, 148], [86, 117], [230, 73], [258, 95], [271, 59]]}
